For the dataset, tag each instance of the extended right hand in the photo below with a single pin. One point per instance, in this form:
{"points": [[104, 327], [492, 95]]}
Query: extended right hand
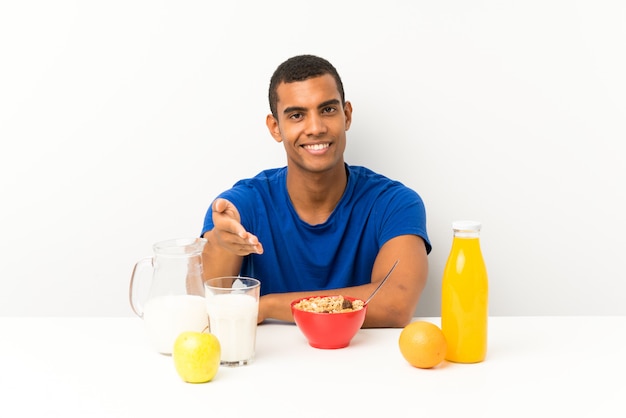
{"points": [[229, 232]]}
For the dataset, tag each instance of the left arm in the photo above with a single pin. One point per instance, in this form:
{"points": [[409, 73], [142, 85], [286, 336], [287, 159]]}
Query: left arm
{"points": [[395, 303]]}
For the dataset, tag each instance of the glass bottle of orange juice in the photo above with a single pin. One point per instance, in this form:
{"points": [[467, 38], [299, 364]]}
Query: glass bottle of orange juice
{"points": [[464, 296]]}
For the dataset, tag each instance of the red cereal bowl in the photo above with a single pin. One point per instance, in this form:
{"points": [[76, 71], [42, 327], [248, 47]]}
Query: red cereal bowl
{"points": [[328, 330]]}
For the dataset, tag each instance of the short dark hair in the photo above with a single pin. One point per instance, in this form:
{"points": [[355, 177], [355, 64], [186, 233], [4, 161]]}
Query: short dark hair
{"points": [[300, 68]]}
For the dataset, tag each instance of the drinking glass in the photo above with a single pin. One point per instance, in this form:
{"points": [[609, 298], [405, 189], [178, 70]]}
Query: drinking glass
{"points": [[233, 305]]}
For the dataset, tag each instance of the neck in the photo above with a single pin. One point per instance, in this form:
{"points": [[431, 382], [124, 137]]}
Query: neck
{"points": [[315, 195]]}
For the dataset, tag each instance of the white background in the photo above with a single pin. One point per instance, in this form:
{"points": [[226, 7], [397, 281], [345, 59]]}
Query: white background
{"points": [[121, 120]]}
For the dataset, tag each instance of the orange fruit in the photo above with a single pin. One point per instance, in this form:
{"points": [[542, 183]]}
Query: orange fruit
{"points": [[422, 344]]}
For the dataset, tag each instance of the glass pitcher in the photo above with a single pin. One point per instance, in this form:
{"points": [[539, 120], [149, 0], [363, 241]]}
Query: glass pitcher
{"points": [[175, 299]]}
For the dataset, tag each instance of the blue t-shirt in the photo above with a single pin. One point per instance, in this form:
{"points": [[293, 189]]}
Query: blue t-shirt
{"points": [[298, 256]]}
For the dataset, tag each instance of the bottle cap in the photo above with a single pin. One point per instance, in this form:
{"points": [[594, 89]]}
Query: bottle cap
{"points": [[466, 226]]}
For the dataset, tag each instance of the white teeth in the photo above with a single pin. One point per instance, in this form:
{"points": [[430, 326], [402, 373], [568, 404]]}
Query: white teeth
{"points": [[316, 147]]}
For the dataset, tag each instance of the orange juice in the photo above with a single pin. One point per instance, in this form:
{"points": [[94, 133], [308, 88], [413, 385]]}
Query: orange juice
{"points": [[464, 296]]}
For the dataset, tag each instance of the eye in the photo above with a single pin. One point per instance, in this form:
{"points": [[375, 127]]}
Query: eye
{"points": [[295, 116], [329, 109]]}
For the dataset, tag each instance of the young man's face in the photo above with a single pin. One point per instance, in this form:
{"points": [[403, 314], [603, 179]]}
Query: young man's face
{"points": [[311, 123]]}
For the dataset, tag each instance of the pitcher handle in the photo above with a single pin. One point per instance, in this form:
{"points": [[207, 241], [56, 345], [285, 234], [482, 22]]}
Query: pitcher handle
{"points": [[140, 265]]}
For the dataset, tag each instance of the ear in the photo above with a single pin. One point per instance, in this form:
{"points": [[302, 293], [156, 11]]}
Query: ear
{"points": [[347, 110], [272, 126]]}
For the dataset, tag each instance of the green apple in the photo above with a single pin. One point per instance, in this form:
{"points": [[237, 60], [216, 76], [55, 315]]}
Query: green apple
{"points": [[196, 356]]}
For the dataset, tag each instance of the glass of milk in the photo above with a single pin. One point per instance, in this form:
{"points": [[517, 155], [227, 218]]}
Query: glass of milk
{"points": [[232, 303]]}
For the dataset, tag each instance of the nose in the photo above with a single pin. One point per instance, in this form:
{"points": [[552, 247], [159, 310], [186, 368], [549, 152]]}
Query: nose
{"points": [[315, 125]]}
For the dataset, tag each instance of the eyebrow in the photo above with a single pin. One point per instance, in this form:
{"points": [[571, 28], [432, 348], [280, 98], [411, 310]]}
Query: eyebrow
{"points": [[302, 109]]}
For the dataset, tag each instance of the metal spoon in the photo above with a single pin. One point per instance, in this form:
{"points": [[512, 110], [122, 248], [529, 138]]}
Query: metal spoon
{"points": [[381, 283]]}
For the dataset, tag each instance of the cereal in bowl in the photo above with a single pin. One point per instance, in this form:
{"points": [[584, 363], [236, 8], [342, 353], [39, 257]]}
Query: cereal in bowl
{"points": [[329, 304]]}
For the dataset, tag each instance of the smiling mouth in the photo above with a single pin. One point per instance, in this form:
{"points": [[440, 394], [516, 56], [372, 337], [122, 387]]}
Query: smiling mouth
{"points": [[316, 147]]}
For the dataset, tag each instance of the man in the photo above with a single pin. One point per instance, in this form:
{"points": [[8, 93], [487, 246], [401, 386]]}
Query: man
{"points": [[319, 224]]}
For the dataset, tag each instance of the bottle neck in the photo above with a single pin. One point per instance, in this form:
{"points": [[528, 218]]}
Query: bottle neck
{"points": [[466, 234]]}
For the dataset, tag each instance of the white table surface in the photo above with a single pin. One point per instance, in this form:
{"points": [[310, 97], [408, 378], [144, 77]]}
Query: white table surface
{"points": [[104, 367]]}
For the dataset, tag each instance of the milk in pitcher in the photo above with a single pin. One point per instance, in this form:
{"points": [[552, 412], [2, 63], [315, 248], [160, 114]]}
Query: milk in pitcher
{"points": [[165, 317]]}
